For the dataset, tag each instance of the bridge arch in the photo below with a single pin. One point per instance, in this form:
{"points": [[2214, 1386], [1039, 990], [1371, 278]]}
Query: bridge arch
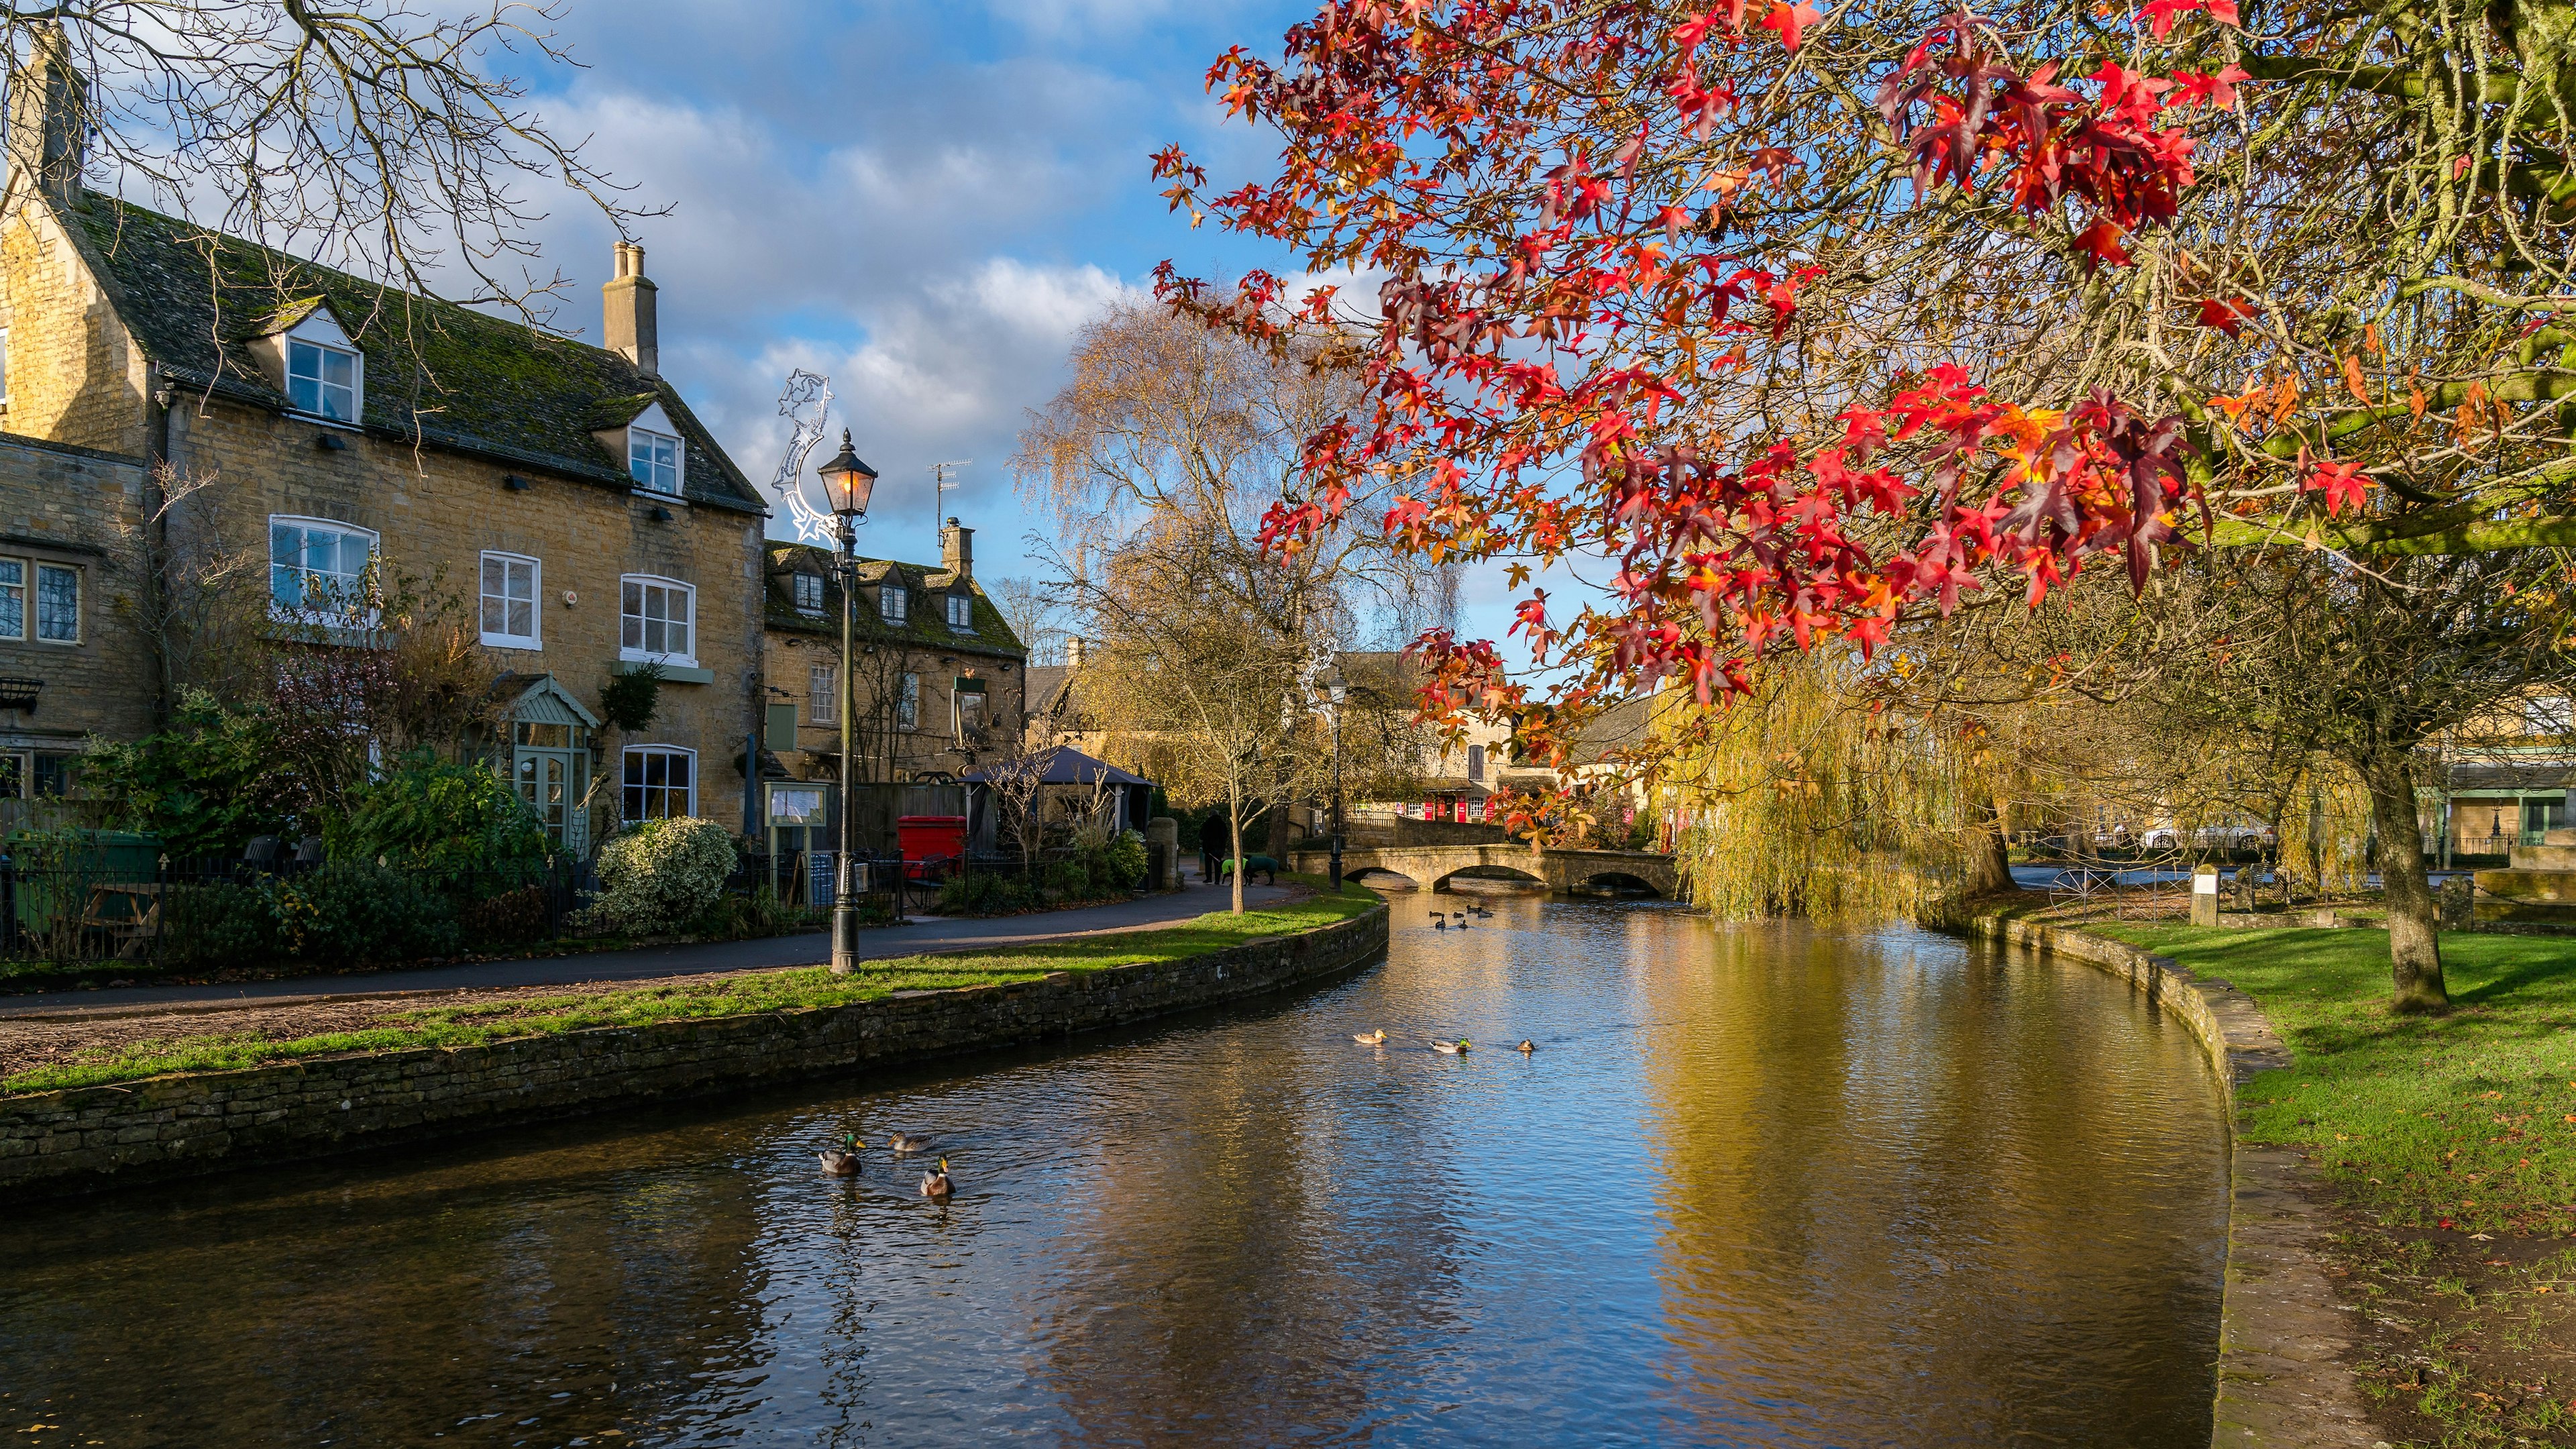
{"points": [[1382, 878], [1616, 882], [1481, 870]]}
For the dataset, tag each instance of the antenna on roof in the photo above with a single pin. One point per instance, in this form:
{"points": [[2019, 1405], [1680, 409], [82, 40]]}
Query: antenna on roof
{"points": [[940, 474]]}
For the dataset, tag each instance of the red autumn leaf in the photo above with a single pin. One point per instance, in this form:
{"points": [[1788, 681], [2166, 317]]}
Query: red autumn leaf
{"points": [[2197, 89], [1790, 20], [2100, 244], [2341, 483], [2223, 314]]}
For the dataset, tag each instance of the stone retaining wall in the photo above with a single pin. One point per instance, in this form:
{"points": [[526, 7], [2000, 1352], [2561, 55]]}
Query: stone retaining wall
{"points": [[2281, 1335], [187, 1123]]}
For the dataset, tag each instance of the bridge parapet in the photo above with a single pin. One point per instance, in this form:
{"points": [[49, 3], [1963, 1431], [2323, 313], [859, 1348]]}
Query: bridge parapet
{"points": [[1432, 866]]}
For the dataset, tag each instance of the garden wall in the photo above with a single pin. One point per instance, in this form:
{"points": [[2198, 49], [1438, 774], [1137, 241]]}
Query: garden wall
{"points": [[94, 1137], [2281, 1334]]}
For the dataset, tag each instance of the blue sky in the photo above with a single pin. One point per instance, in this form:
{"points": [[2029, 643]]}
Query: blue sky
{"points": [[921, 201]]}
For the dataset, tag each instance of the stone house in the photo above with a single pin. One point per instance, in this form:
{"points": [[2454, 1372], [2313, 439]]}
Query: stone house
{"points": [[563, 491], [938, 685], [73, 663]]}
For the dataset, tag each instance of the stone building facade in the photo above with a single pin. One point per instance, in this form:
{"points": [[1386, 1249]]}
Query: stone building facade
{"points": [[562, 492], [939, 684], [73, 660]]}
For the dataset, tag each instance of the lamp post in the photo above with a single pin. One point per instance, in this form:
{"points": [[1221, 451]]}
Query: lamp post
{"points": [[847, 483], [1337, 689]]}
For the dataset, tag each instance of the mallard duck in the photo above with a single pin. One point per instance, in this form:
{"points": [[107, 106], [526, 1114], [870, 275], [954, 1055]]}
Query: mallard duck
{"points": [[1480, 913], [1526, 1047], [909, 1141], [1439, 922], [1456, 1048], [935, 1185], [1370, 1038], [841, 1161]]}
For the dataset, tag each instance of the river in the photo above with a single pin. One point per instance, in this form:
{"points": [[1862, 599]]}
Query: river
{"points": [[1759, 1185]]}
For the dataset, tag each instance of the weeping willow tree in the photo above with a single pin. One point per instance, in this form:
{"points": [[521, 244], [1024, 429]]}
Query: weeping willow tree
{"points": [[1812, 797], [2324, 827]]}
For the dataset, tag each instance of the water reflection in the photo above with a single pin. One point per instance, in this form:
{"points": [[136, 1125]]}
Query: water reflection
{"points": [[1758, 1186]]}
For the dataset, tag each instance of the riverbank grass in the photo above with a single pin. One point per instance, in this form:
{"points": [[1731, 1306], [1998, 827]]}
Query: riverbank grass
{"points": [[2466, 1120], [699, 998]]}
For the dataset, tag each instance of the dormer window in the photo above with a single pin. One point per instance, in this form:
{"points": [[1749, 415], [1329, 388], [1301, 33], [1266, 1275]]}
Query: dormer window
{"points": [[653, 460], [809, 593], [961, 612], [894, 603], [322, 379]]}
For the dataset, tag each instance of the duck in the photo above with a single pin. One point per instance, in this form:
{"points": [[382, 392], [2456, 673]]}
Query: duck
{"points": [[1480, 913], [909, 1141], [841, 1161], [1370, 1038], [1439, 922], [1462, 920], [935, 1185], [1526, 1047], [1457, 1048]]}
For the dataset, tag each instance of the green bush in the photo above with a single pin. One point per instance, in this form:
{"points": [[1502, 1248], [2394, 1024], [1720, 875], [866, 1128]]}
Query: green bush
{"points": [[1102, 865], [204, 786], [986, 895], [211, 927], [440, 815], [660, 876], [358, 912]]}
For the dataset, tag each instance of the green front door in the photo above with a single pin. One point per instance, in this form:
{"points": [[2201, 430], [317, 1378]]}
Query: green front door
{"points": [[547, 764]]}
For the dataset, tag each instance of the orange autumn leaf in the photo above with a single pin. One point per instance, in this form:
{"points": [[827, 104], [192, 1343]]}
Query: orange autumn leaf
{"points": [[2354, 382]]}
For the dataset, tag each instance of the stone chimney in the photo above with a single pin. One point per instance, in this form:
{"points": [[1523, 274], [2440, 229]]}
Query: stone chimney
{"points": [[631, 330], [957, 550], [49, 116], [1073, 652]]}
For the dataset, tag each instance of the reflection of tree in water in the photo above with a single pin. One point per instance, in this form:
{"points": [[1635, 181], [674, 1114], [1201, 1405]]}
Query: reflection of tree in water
{"points": [[1231, 1276], [387, 1307], [1924, 1203]]}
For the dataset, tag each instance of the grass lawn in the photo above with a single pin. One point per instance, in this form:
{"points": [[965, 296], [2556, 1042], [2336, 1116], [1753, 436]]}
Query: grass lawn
{"points": [[2466, 1121], [742, 994]]}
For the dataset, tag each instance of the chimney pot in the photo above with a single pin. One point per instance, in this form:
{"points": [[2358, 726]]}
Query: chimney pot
{"points": [[957, 550], [631, 327]]}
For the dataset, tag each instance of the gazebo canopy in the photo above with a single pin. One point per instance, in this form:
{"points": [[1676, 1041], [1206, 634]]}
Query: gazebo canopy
{"points": [[1061, 765]]}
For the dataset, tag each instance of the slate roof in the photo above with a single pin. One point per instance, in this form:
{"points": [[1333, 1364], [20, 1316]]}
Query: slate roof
{"points": [[2536, 776], [451, 376], [925, 625]]}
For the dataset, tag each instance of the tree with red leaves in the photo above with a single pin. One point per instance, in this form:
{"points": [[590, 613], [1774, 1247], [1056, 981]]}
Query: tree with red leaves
{"points": [[1803, 322]]}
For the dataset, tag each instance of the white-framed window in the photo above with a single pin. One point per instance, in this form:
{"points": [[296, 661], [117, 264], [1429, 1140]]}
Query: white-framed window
{"points": [[512, 584], [823, 694], [961, 612], [894, 603], [660, 621], [13, 599], [317, 570], [653, 460], [809, 593], [58, 604], [907, 704], [661, 782], [323, 379]]}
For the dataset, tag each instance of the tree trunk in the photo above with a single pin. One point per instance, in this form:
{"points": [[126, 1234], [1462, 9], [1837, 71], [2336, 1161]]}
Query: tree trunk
{"points": [[1234, 828], [1989, 854], [2414, 947]]}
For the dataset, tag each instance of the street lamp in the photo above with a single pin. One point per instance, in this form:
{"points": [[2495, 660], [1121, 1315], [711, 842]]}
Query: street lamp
{"points": [[847, 484], [1338, 690]]}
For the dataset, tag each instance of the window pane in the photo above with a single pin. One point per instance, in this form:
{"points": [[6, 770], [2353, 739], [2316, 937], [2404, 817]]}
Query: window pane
{"points": [[523, 620], [13, 605], [339, 368]]}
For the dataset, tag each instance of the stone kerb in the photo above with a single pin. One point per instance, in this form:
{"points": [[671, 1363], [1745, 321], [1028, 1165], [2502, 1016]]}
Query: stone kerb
{"points": [[2281, 1336], [88, 1138]]}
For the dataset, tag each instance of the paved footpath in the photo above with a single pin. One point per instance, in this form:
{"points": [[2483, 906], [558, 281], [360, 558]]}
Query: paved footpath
{"points": [[811, 948]]}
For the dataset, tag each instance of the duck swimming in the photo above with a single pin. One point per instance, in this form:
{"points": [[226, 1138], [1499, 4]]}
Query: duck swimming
{"points": [[909, 1141], [935, 1185], [1456, 1048], [1370, 1038], [842, 1161], [1526, 1047], [1439, 922]]}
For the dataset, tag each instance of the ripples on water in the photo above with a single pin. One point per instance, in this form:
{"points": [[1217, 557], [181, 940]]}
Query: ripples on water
{"points": [[1759, 1185]]}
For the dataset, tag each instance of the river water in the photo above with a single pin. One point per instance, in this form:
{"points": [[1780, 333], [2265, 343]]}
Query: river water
{"points": [[1758, 1185]]}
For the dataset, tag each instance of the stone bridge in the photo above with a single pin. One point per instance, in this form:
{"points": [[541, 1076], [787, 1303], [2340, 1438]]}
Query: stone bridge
{"points": [[1431, 866]]}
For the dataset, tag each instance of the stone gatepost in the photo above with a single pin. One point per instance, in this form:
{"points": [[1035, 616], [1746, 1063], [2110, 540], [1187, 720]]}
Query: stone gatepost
{"points": [[1164, 831], [2204, 896]]}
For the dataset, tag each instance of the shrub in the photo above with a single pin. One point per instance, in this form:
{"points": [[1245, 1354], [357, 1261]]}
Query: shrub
{"points": [[357, 912], [438, 814], [985, 894], [204, 786], [210, 927], [661, 875], [1102, 865]]}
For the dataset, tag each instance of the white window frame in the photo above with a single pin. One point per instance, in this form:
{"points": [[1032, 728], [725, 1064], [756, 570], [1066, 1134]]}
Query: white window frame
{"points": [[304, 614], [535, 638], [636, 653], [961, 612], [632, 752], [644, 469], [907, 703], [796, 589], [894, 604], [36, 603], [16, 592], [823, 694], [323, 388]]}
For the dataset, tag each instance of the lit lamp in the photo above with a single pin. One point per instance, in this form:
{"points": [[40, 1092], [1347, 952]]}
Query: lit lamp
{"points": [[847, 486]]}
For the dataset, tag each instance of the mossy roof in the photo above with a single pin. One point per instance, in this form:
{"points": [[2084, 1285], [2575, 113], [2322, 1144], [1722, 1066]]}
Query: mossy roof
{"points": [[446, 375], [925, 624]]}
